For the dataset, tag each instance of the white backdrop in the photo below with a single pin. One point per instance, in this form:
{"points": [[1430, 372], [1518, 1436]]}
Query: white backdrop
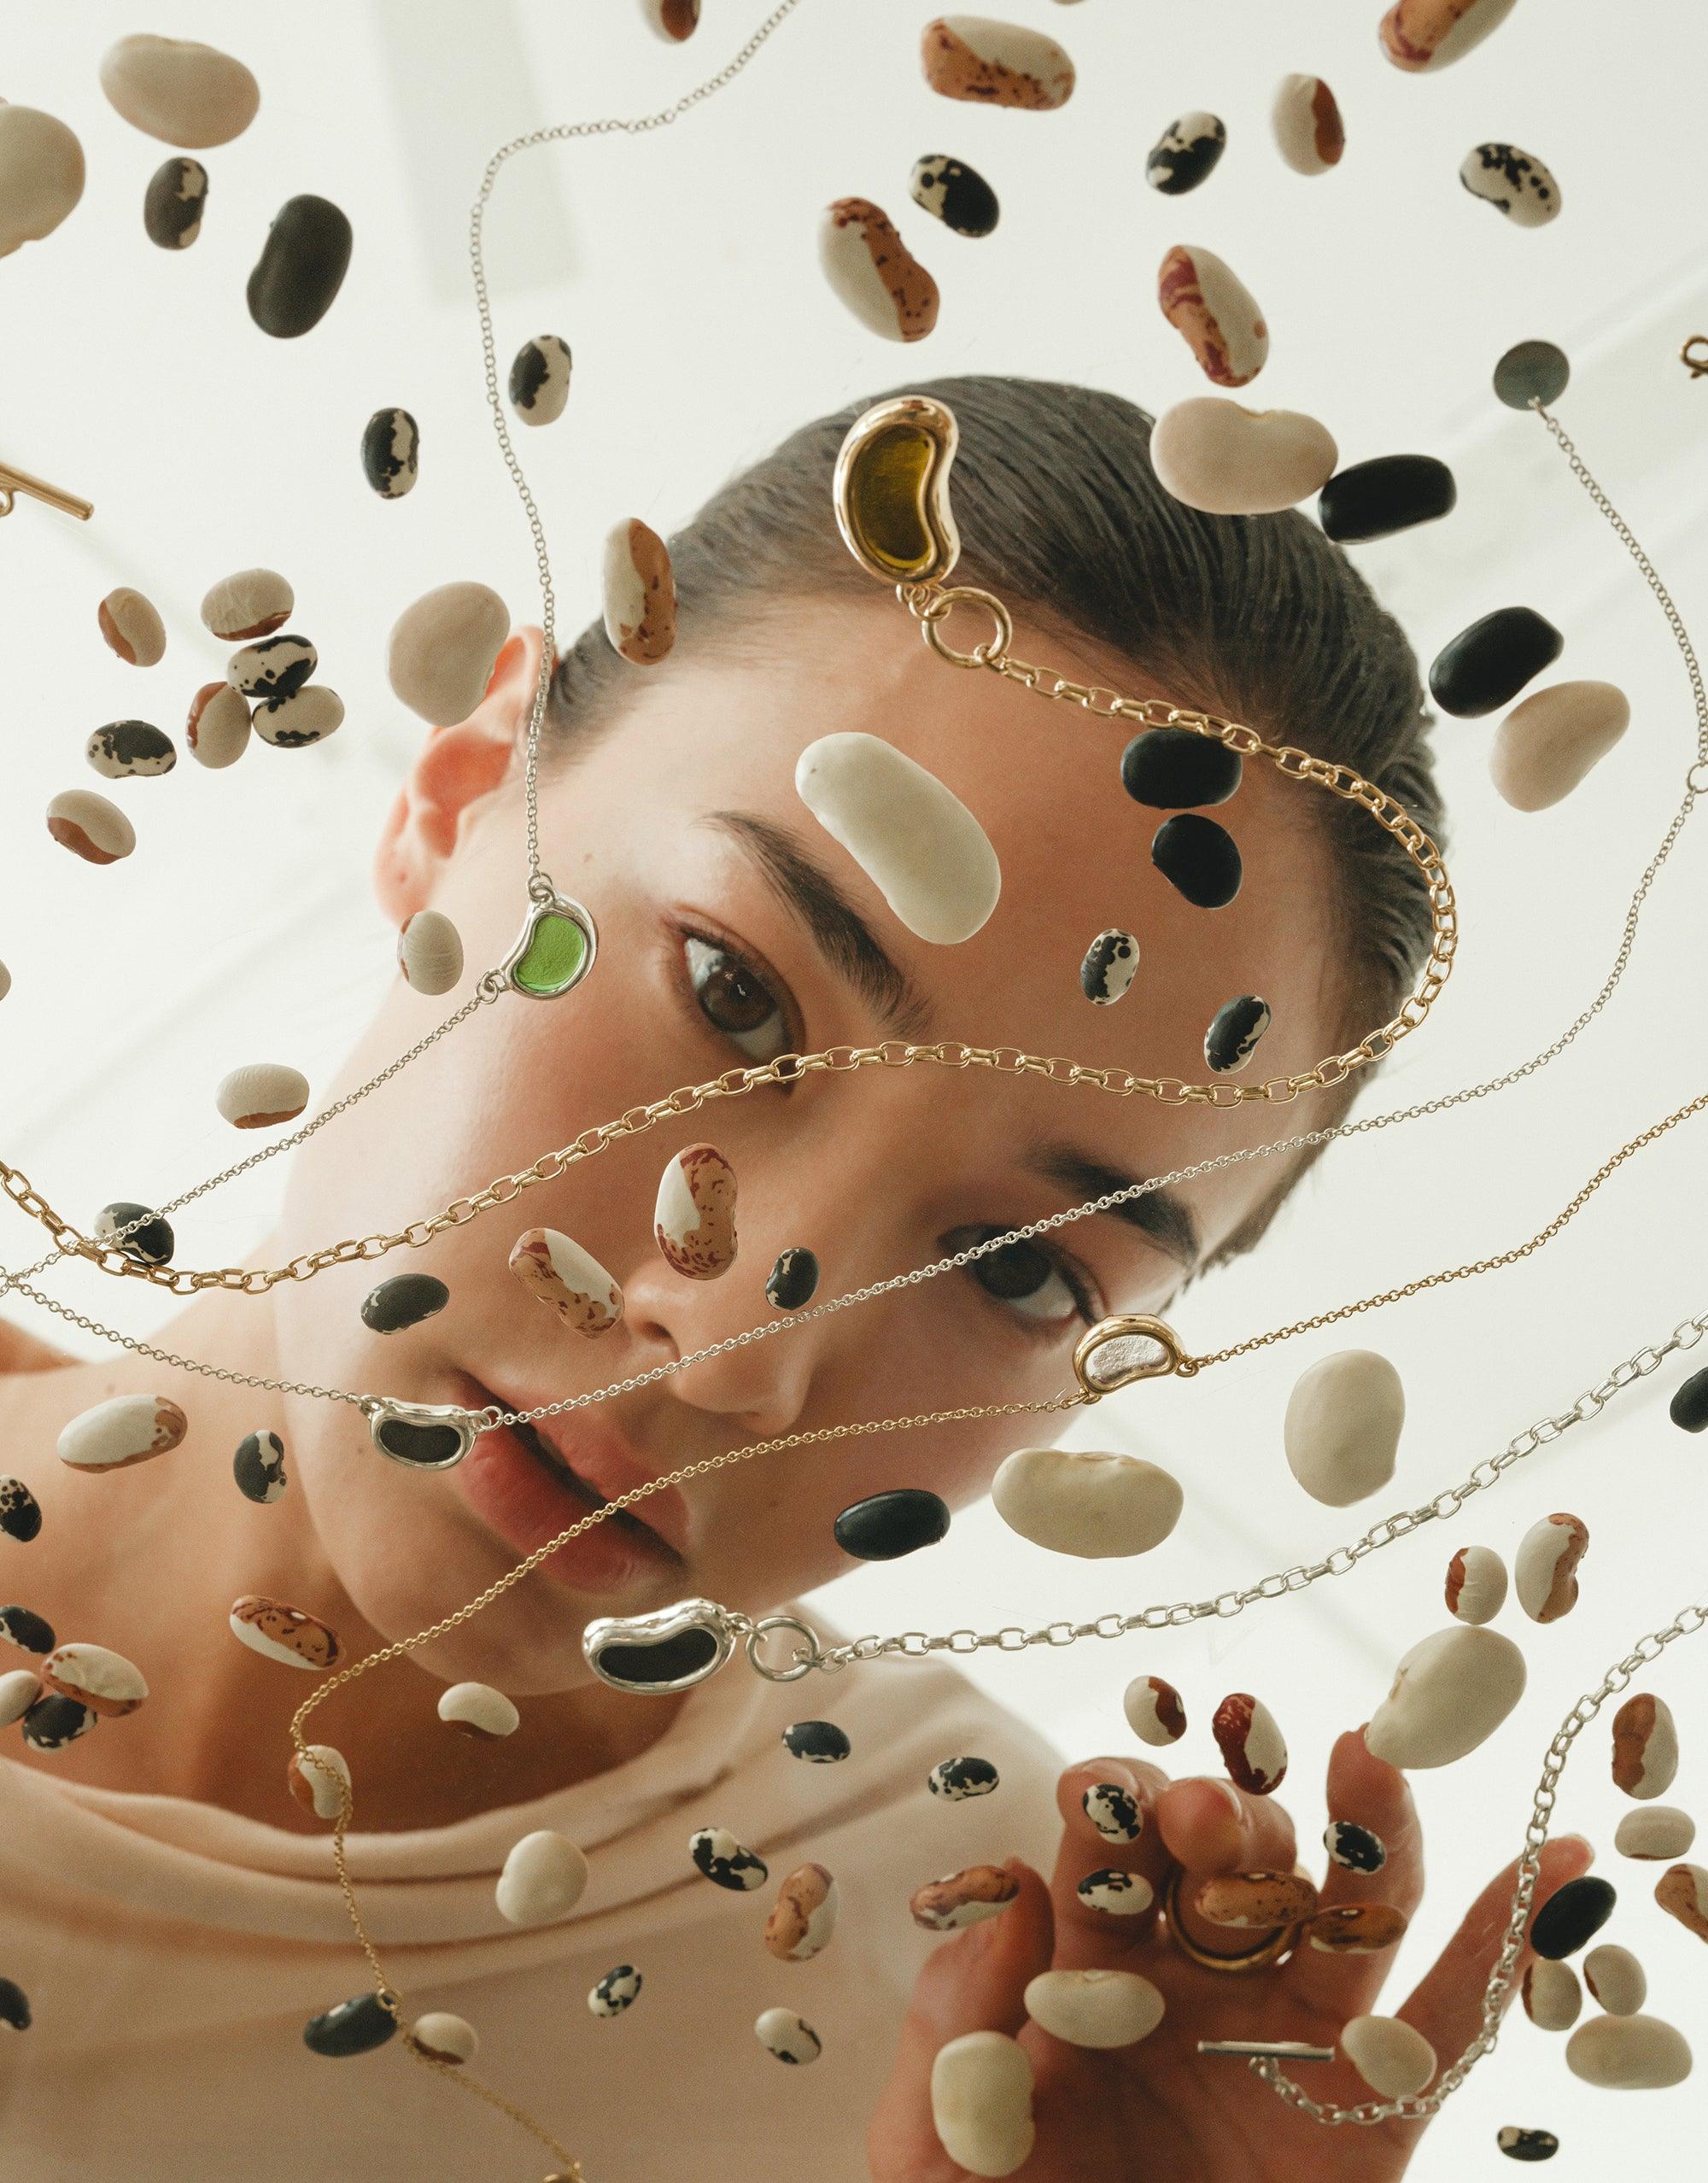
{"points": [[681, 268]]}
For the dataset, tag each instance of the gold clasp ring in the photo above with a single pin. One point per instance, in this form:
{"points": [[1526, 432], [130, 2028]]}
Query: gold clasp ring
{"points": [[1137, 1348], [988, 654], [1696, 364]]}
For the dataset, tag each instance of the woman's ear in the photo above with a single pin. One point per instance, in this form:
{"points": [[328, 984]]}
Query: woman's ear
{"points": [[457, 768]]}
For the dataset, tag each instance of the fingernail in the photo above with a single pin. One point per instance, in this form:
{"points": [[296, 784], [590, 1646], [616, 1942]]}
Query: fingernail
{"points": [[1582, 1842], [1232, 1795]]}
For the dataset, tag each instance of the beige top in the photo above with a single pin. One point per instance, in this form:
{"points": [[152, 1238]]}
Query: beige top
{"points": [[171, 1951]]}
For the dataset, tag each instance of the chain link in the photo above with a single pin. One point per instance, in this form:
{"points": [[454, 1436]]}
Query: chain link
{"points": [[1224, 1606], [1297, 765], [105, 1253], [70, 1242], [1420, 2107]]}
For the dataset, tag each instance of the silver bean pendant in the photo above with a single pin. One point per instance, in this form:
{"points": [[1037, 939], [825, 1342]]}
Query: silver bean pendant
{"points": [[421, 1435], [672, 1648]]}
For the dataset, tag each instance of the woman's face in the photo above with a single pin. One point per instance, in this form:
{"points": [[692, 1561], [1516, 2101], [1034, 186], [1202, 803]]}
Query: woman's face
{"points": [[732, 928]]}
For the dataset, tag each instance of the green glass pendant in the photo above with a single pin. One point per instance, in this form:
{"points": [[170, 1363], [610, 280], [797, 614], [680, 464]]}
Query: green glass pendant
{"points": [[555, 951]]}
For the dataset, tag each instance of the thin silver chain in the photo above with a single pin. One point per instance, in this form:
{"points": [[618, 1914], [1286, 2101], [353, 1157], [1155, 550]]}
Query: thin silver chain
{"points": [[1647, 1650], [540, 885], [915, 1644], [494, 984]]}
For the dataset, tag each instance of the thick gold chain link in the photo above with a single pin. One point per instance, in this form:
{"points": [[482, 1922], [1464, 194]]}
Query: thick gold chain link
{"points": [[931, 608]]}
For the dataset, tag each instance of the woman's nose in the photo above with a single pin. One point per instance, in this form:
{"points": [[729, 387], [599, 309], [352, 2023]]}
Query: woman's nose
{"points": [[766, 1381]]}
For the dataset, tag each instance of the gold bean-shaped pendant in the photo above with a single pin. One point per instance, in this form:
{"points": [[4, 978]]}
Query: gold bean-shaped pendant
{"points": [[892, 490]]}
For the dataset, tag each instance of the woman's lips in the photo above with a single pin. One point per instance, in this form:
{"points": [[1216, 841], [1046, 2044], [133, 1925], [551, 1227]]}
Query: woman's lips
{"points": [[529, 1488]]}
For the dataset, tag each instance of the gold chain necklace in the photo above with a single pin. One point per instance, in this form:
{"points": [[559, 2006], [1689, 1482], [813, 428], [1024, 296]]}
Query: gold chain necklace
{"points": [[1141, 1346]]}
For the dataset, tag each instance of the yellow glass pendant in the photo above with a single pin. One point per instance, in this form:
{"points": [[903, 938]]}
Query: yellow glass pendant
{"points": [[892, 490]]}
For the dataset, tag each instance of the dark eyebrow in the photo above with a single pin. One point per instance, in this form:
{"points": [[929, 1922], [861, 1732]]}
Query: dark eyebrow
{"points": [[1160, 1214], [841, 935]]}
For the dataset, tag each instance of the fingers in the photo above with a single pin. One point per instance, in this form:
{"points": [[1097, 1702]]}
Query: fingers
{"points": [[1447, 2006], [1375, 1795], [1086, 1937], [1209, 1826], [975, 1980]]}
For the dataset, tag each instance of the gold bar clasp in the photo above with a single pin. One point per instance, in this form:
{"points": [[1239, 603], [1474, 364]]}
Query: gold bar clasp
{"points": [[14, 482]]}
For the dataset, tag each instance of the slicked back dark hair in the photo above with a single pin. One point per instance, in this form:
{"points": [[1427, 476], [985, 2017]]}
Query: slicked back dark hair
{"points": [[1258, 617]]}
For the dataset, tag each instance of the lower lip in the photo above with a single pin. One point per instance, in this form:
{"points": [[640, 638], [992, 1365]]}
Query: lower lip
{"points": [[525, 1504]]}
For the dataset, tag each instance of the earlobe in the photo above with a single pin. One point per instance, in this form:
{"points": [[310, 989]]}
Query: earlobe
{"points": [[457, 768]]}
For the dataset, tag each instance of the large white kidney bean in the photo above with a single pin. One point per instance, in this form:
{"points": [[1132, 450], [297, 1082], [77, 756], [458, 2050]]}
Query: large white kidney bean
{"points": [[914, 839], [1450, 1693], [1393, 2059], [542, 1879], [1220, 456], [1628, 2053], [1076, 1502], [41, 175], [981, 2103], [443, 650], [1657, 1832], [1095, 2008], [1342, 1431]]}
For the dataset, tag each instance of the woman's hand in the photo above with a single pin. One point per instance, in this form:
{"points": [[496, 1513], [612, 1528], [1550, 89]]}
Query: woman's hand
{"points": [[1160, 2109]]}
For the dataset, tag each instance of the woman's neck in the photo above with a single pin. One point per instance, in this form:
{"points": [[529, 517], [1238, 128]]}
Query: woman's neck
{"points": [[147, 1559]]}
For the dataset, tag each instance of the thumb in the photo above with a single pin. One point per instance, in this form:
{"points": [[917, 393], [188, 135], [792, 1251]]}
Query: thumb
{"points": [[974, 1982]]}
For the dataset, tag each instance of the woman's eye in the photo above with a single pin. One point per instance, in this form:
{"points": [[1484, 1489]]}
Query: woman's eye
{"points": [[734, 1000], [1033, 1283]]}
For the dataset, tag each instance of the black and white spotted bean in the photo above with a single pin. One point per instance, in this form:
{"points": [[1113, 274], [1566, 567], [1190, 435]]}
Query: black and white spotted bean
{"points": [[955, 193], [57, 1720], [173, 204], [1114, 1811], [28, 1630], [271, 668], [258, 1467], [1122, 1894], [21, 1513], [1111, 962], [540, 379], [955, 1780], [789, 2037], [725, 1862], [1514, 182], [821, 1743], [1353, 1847], [1185, 154], [126, 747], [391, 452], [403, 1301], [151, 1244], [616, 1992], [1234, 1031]]}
